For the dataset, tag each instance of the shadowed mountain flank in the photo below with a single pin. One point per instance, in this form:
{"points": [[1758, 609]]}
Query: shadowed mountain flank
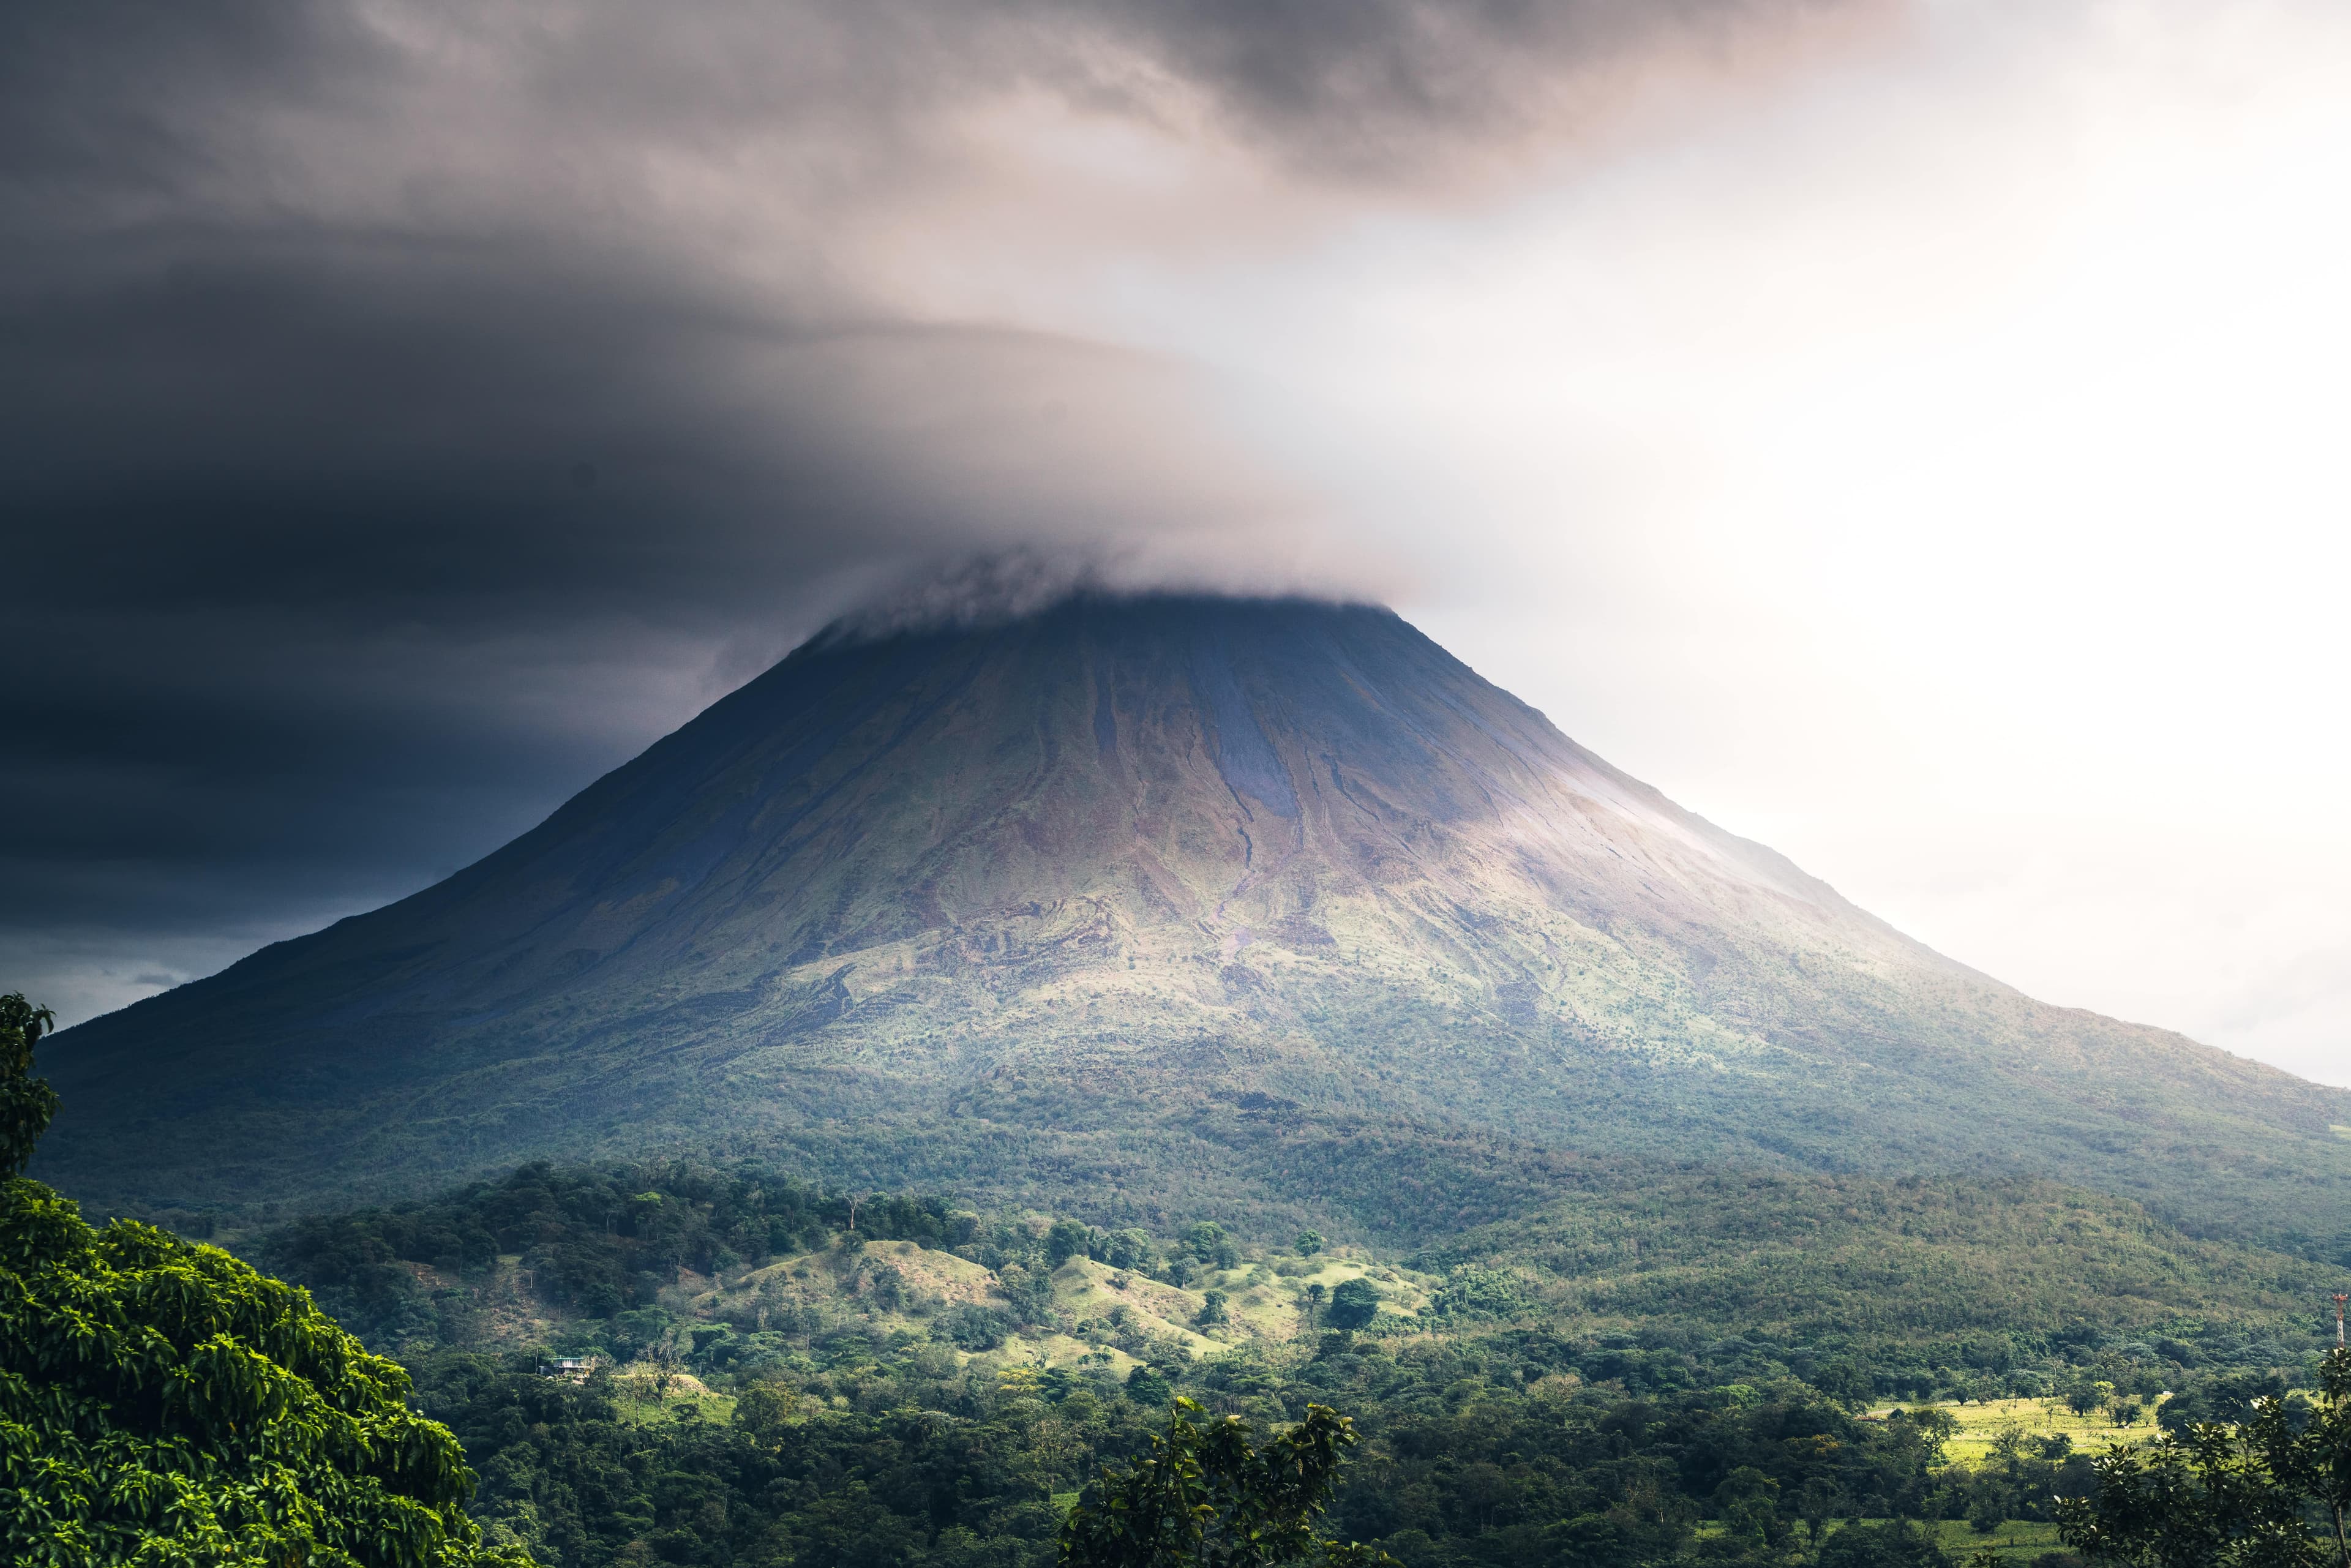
{"points": [[1135, 895]]}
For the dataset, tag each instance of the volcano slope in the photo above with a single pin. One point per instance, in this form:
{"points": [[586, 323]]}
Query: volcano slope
{"points": [[1139, 899]]}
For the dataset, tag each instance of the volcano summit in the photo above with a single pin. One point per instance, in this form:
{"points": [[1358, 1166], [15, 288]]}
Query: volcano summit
{"points": [[1133, 893]]}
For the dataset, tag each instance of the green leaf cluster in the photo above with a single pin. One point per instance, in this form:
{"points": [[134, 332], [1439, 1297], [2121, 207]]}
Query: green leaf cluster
{"points": [[26, 1103], [1206, 1497], [161, 1403], [2270, 1491]]}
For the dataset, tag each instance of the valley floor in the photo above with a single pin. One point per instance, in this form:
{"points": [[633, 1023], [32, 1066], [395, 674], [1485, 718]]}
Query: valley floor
{"points": [[1672, 1372], [1983, 1423]]}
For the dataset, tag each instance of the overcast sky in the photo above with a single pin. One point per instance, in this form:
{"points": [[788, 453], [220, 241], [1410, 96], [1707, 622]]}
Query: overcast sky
{"points": [[1910, 435]]}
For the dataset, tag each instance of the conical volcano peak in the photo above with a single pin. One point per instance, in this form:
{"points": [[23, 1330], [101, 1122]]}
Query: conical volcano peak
{"points": [[990, 897], [1238, 759]]}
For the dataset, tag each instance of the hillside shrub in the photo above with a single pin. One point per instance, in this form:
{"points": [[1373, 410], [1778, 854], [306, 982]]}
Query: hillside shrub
{"points": [[972, 1328]]}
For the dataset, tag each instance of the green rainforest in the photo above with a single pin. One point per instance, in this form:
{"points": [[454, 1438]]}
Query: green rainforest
{"points": [[1605, 1382], [674, 1361]]}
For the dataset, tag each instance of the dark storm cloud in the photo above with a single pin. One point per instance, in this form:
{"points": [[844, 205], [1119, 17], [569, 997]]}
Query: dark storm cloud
{"points": [[408, 412], [1386, 89]]}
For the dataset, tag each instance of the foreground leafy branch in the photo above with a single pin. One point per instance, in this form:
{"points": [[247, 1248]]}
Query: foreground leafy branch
{"points": [[163, 1404], [2270, 1492]]}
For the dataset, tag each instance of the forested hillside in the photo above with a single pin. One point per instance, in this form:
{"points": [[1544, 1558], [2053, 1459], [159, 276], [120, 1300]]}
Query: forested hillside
{"points": [[1920, 1276], [1671, 1366]]}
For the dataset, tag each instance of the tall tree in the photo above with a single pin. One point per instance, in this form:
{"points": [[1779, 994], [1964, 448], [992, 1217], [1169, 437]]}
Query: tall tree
{"points": [[1353, 1304], [26, 1103], [162, 1403], [2242, 1494], [1205, 1497]]}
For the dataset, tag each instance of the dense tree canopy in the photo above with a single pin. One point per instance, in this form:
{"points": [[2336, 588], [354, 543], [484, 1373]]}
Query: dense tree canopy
{"points": [[161, 1403], [1353, 1304], [1498, 1431], [161, 1398], [1209, 1497], [2271, 1490], [1484, 1452]]}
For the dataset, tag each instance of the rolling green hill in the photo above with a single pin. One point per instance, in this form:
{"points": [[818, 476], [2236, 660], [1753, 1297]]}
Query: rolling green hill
{"points": [[1667, 1368], [1132, 898], [1914, 1287]]}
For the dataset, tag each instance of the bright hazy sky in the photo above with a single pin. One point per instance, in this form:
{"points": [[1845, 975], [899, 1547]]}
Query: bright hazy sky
{"points": [[1909, 434], [1934, 468]]}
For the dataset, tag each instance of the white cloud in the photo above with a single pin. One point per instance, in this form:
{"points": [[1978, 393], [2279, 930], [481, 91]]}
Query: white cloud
{"points": [[1931, 466]]}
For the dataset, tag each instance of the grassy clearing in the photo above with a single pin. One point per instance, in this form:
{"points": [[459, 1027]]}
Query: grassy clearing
{"points": [[2013, 1544], [2019, 1541], [1265, 1301], [1982, 1424], [1094, 1292], [644, 1398]]}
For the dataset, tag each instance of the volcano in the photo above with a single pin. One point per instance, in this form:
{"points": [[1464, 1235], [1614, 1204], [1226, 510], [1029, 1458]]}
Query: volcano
{"points": [[1146, 897]]}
